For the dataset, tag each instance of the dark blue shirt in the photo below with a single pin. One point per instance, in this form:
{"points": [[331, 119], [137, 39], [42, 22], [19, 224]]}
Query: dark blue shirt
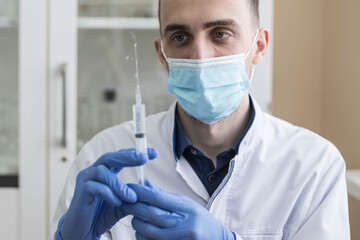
{"points": [[203, 166]]}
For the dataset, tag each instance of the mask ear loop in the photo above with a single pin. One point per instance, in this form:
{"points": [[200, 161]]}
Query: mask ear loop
{"points": [[162, 50], [248, 52], [252, 73], [252, 44]]}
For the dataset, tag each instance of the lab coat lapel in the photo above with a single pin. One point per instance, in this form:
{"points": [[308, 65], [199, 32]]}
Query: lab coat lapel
{"points": [[190, 177], [182, 165]]}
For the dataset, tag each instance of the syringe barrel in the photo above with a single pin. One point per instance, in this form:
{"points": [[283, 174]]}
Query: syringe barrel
{"points": [[140, 136], [139, 119], [141, 146], [140, 130]]}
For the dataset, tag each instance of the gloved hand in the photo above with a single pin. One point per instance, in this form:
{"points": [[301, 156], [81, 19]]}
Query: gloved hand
{"points": [[100, 196], [162, 215]]}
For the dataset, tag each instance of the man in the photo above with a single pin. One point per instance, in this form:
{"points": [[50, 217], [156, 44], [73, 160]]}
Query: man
{"points": [[220, 168]]}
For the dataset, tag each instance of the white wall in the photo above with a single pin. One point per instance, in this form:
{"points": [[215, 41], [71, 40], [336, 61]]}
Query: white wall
{"points": [[261, 87]]}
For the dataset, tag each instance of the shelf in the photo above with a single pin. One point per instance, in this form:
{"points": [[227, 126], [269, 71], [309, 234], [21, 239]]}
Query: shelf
{"points": [[8, 22], [118, 23], [353, 182], [116, 2]]}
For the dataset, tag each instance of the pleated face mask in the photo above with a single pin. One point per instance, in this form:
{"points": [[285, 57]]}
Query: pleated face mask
{"points": [[209, 89]]}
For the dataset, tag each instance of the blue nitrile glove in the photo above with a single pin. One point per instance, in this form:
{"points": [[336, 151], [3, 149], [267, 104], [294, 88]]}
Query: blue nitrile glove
{"points": [[100, 196], [162, 215]]}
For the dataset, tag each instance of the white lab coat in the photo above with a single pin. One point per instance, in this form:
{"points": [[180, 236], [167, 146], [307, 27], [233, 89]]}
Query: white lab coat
{"points": [[285, 183]]}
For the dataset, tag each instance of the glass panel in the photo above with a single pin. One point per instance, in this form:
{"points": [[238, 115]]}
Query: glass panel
{"points": [[9, 93], [118, 8], [106, 64]]}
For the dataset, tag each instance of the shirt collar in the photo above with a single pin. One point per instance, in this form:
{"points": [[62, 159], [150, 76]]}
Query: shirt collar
{"points": [[182, 141]]}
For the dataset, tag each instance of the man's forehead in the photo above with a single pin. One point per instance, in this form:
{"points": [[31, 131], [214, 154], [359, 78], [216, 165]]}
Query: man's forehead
{"points": [[192, 12]]}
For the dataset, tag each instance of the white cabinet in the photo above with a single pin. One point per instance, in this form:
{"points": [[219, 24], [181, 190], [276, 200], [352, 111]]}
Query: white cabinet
{"points": [[23, 119], [62, 92]]}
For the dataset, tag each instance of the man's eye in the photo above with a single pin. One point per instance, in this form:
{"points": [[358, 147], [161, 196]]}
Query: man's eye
{"points": [[221, 35], [180, 38]]}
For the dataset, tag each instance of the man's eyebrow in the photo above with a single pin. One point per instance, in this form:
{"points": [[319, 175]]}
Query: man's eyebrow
{"points": [[174, 26], [185, 27], [221, 22]]}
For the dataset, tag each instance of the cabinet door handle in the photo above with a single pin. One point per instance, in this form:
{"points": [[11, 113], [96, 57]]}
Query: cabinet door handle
{"points": [[63, 72]]}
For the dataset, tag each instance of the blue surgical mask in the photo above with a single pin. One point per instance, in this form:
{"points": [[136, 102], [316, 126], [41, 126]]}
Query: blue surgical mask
{"points": [[209, 89]]}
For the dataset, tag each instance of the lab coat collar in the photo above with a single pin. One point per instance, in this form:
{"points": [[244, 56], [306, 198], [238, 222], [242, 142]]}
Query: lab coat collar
{"points": [[256, 129], [170, 128]]}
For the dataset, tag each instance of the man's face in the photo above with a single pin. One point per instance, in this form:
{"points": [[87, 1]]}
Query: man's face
{"points": [[198, 29]]}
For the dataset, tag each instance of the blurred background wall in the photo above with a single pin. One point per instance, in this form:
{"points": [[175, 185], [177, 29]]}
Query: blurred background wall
{"points": [[317, 74]]}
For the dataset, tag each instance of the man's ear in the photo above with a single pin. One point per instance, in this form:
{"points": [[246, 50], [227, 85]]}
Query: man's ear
{"points": [[262, 46], [157, 43]]}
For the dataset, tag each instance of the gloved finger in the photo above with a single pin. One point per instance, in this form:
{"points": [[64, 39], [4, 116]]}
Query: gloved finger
{"points": [[147, 230], [150, 184], [159, 198], [152, 153], [150, 231], [99, 189], [103, 175], [141, 237], [153, 215], [116, 161]]}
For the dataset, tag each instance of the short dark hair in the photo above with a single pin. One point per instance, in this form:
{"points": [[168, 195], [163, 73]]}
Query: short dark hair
{"points": [[254, 4]]}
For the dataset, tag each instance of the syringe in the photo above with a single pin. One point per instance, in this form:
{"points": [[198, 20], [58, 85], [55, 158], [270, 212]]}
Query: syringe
{"points": [[139, 118], [140, 131]]}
